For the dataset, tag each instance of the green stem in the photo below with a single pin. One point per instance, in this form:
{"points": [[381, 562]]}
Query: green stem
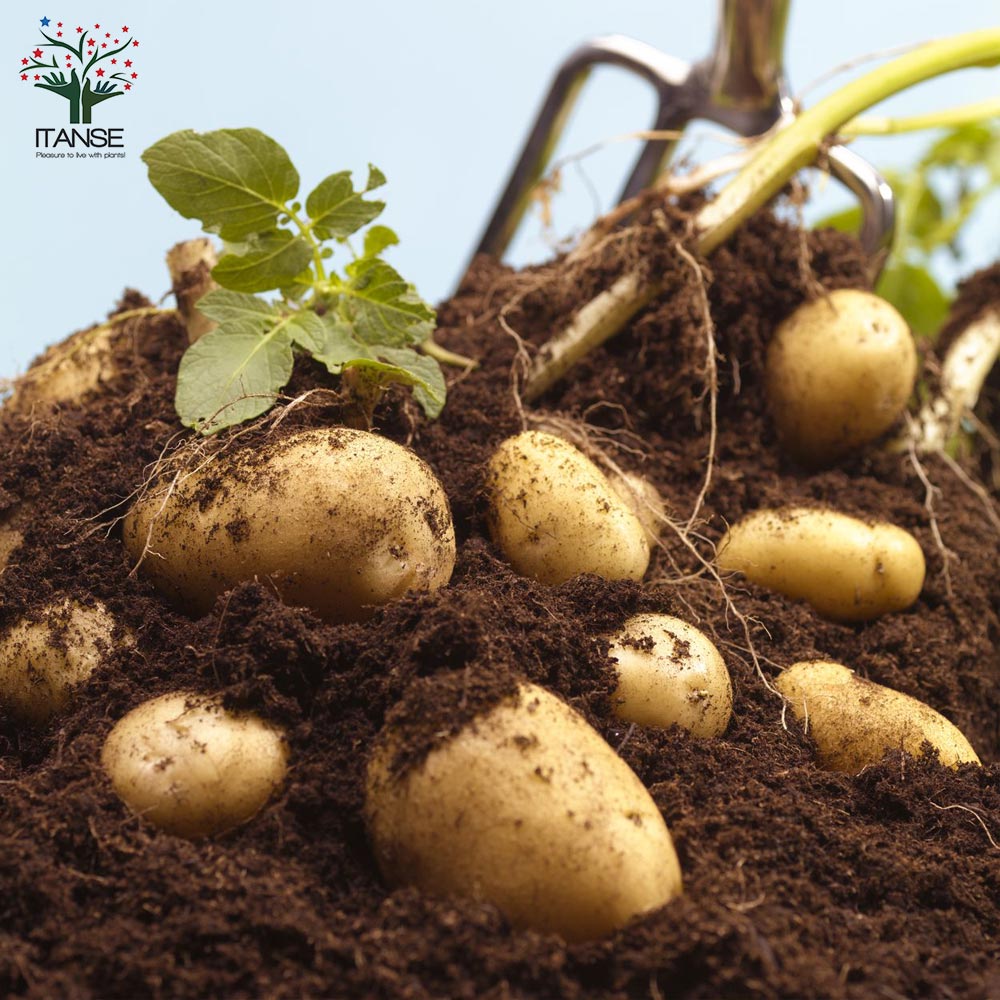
{"points": [[305, 229], [795, 147], [966, 114]]}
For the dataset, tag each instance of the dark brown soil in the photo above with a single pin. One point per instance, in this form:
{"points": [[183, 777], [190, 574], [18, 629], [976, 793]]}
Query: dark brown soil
{"points": [[798, 882]]}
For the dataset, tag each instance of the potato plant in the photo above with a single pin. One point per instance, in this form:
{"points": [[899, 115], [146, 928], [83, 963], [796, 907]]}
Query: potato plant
{"points": [[364, 325]]}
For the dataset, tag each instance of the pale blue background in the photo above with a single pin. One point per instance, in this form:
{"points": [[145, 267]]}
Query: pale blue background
{"points": [[438, 94]]}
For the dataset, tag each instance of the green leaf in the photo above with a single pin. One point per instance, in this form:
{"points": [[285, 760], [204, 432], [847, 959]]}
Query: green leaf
{"points": [[377, 239], [227, 307], [308, 331], [272, 260], [919, 298], [337, 210], [386, 365], [235, 181], [429, 388], [382, 307], [232, 374]]}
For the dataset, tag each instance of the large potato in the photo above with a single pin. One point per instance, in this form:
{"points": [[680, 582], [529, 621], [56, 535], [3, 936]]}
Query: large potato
{"points": [[336, 520], [554, 514], [855, 722], [42, 660], [670, 674], [839, 372], [529, 809], [192, 768], [848, 570]]}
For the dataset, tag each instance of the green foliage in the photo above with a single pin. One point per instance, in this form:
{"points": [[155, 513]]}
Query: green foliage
{"points": [[240, 184], [936, 199]]}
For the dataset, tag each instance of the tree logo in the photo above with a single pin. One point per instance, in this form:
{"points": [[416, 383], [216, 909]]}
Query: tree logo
{"points": [[90, 71]]}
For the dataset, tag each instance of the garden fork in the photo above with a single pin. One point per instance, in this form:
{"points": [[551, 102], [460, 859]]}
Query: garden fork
{"points": [[740, 86]]}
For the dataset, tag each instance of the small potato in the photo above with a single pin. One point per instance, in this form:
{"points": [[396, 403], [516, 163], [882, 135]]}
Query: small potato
{"points": [[855, 722], [839, 372], [42, 661], [554, 514], [336, 520], [529, 809], [670, 674], [848, 570], [192, 768]]}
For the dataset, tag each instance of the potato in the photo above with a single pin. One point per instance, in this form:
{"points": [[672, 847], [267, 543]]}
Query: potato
{"points": [[644, 500], [848, 570], [529, 809], [839, 372], [191, 767], [336, 520], [670, 674], [855, 722], [67, 371], [41, 661], [554, 514]]}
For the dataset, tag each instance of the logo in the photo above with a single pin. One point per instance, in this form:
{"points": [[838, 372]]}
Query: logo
{"points": [[84, 66]]}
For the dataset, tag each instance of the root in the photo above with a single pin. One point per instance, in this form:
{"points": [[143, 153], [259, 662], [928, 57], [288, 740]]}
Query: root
{"points": [[712, 379], [929, 492], [979, 818]]}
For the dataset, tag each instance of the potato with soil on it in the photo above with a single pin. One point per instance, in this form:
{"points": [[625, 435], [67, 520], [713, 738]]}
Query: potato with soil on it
{"points": [[336, 520], [554, 514], [526, 807], [855, 722], [192, 768], [839, 372], [670, 674], [848, 570], [44, 658]]}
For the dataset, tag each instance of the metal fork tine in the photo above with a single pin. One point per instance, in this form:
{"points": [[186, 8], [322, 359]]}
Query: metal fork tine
{"points": [[740, 85]]}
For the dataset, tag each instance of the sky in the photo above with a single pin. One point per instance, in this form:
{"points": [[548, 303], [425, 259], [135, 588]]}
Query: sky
{"points": [[438, 95]]}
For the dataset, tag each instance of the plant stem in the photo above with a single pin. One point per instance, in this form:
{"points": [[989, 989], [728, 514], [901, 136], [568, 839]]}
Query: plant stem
{"points": [[772, 165], [306, 230], [965, 114]]}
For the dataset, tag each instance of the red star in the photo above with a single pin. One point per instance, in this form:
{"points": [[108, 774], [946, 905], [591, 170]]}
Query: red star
{"points": [[100, 72], [58, 34], [78, 29], [128, 62], [97, 26], [107, 34], [24, 76], [116, 41], [113, 61], [90, 41], [37, 77], [37, 53], [125, 28], [24, 62], [128, 86], [135, 45], [58, 24], [104, 45], [135, 76]]}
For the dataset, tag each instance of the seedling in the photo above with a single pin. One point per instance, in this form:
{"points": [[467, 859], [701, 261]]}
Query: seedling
{"points": [[364, 324]]}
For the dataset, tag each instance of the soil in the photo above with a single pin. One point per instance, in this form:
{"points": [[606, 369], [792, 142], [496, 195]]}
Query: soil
{"points": [[798, 882]]}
